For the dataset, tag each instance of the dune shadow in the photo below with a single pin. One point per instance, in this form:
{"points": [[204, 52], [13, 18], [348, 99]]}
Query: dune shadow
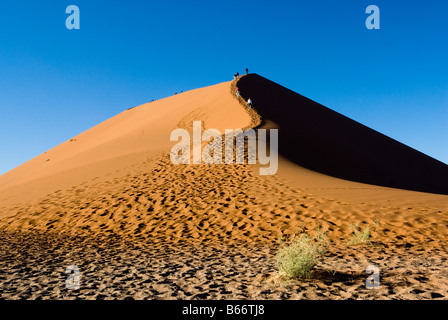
{"points": [[330, 277], [320, 139]]}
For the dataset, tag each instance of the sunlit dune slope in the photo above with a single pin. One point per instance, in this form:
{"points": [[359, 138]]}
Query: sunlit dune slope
{"points": [[129, 139]]}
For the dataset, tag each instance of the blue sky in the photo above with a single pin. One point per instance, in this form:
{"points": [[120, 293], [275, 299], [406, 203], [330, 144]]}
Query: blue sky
{"points": [[56, 83]]}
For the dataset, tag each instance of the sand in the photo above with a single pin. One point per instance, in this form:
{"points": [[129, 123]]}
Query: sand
{"points": [[111, 202]]}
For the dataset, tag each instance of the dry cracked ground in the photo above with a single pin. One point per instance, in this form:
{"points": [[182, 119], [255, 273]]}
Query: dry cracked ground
{"points": [[33, 267]]}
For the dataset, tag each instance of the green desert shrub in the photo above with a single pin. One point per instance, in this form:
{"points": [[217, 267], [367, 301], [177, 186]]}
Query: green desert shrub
{"points": [[360, 236], [297, 258]]}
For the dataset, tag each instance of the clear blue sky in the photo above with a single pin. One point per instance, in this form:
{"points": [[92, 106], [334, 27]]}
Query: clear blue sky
{"points": [[55, 83]]}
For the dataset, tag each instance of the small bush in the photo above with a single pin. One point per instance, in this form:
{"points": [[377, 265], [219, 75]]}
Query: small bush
{"points": [[377, 224], [297, 259], [360, 236]]}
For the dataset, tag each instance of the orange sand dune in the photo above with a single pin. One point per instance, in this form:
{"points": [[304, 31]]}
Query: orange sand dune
{"points": [[111, 202], [116, 178]]}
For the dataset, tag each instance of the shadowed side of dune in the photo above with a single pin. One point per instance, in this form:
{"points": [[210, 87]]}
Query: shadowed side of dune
{"points": [[323, 140]]}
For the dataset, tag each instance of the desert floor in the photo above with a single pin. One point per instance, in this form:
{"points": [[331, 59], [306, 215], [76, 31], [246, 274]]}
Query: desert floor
{"points": [[33, 268]]}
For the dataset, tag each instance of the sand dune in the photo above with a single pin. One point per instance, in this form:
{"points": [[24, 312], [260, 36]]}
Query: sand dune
{"points": [[115, 184]]}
